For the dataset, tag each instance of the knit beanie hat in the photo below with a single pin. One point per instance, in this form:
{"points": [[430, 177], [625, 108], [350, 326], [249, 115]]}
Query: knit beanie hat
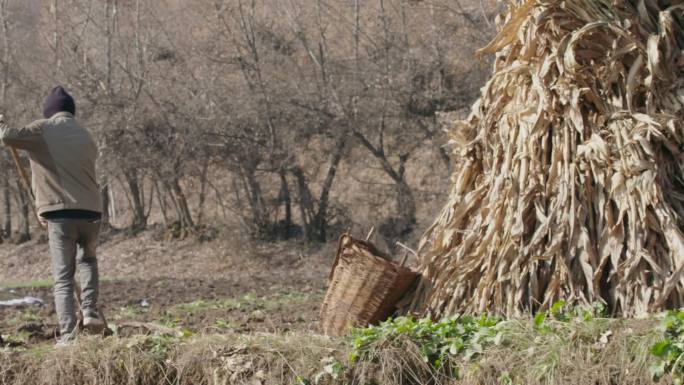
{"points": [[57, 101]]}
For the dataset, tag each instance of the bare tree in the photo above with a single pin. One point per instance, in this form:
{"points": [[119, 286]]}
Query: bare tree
{"points": [[245, 111]]}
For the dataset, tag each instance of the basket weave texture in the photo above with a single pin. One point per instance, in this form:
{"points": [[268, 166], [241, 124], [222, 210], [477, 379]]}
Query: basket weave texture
{"points": [[365, 285]]}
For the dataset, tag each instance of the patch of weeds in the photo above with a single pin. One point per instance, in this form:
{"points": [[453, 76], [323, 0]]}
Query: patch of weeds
{"points": [[40, 283], [247, 300], [669, 351], [562, 326], [114, 327], [169, 319], [332, 369], [129, 311], [437, 341], [160, 345], [290, 298], [22, 342], [170, 322], [35, 284], [223, 324], [275, 301], [466, 338], [22, 336], [17, 341], [561, 312], [201, 305], [40, 351], [505, 378], [24, 316]]}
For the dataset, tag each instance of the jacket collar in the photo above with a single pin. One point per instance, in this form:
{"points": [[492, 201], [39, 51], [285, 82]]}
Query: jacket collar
{"points": [[62, 114]]}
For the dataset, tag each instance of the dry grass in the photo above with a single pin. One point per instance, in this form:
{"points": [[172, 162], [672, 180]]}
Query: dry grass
{"points": [[576, 354], [596, 352], [143, 360], [568, 171]]}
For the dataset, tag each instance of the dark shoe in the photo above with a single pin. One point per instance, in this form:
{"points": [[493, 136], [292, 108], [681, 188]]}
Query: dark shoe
{"points": [[92, 321]]}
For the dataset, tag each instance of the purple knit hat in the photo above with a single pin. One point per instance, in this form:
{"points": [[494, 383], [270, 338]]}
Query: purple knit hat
{"points": [[57, 101]]}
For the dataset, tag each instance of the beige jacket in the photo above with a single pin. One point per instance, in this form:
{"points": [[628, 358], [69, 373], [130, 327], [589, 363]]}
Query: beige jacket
{"points": [[62, 155]]}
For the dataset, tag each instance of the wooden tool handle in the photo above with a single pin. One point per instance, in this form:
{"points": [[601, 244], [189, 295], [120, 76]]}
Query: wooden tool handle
{"points": [[26, 182], [22, 172]]}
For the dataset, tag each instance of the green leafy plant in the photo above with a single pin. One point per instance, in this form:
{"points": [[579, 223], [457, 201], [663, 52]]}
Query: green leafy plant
{"points": [[223, 324], [332, 369], [24, 316], [562, 312], [129, 311], [437, 341], [160, 345], [669, 351]]}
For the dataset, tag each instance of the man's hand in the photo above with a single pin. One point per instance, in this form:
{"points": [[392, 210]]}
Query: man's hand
{"points": [[42, 221]]}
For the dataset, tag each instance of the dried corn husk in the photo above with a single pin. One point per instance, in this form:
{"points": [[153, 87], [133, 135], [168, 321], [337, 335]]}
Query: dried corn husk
{"points": [[568, 179]]}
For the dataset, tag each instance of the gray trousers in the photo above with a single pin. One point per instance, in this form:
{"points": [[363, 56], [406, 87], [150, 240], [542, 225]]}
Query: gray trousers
{"points": [[73, 242]]}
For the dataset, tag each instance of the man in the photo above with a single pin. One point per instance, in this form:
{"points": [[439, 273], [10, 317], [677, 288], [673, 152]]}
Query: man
{"points": [[62, 155]]}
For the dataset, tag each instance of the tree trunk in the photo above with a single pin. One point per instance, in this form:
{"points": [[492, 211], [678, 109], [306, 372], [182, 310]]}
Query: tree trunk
{"points": [[104, 196], [184, 211], [320, 220], [287, 200], [139, 219], [406, 203], [162, 205], [256, 201], [203, 192], [306, 205], [7, 207]]}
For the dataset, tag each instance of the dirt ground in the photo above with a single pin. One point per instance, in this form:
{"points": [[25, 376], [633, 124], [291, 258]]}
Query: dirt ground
{"points": [[229, 284]]}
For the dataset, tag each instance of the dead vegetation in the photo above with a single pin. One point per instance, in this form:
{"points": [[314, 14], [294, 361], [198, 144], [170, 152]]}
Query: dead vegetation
{"points": [[607, 351], [143, 360], [568, 170]]}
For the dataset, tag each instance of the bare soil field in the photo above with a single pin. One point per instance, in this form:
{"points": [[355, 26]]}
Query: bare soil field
{"points": [[224, 285]]}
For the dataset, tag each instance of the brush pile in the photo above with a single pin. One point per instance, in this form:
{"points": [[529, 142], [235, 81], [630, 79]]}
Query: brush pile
{"points": [[568, 179]]}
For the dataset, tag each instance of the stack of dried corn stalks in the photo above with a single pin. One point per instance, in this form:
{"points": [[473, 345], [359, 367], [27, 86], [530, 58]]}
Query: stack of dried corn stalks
{"points": [[569, 181]]}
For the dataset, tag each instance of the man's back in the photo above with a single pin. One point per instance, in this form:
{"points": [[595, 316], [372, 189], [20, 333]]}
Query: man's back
{"points": [[63, 156], [72, 154]]}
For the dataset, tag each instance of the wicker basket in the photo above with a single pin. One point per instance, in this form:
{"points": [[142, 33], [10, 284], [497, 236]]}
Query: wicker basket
{"points": [[365, 285]]}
